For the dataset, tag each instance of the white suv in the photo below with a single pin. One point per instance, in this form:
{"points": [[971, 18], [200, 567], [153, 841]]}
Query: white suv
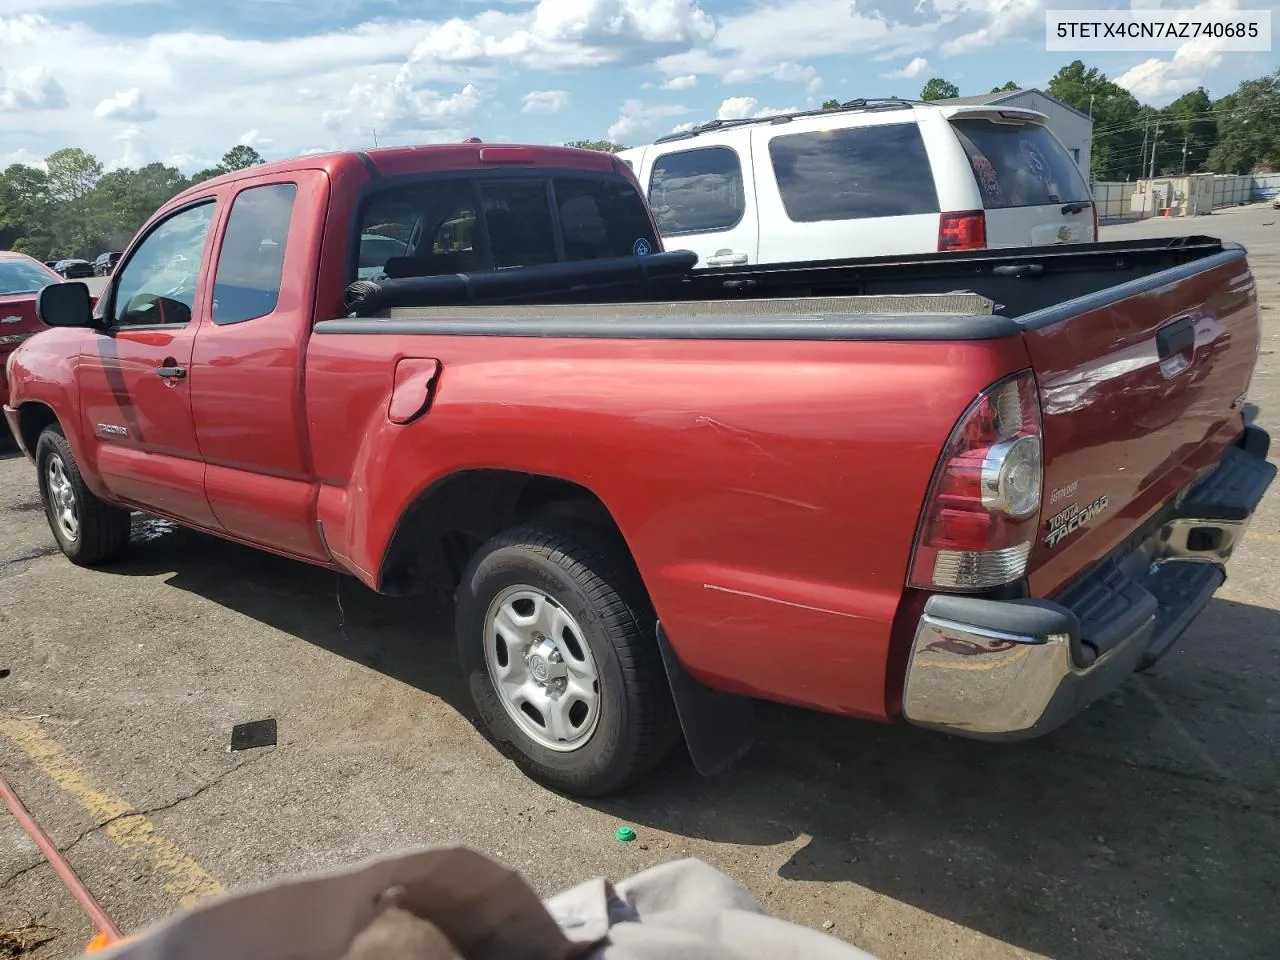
{"points": [[873, 178]]}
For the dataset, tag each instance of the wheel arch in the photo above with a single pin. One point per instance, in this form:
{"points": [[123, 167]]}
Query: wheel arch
{"points": [[443, 526], [34, 417]]}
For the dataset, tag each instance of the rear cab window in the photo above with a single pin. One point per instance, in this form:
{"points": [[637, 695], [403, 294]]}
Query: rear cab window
{"points": [[854, 173], [464, 224], [1019, 164]]}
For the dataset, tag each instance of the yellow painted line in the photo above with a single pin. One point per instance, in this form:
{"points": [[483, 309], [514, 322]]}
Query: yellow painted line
{"points": [[131, 830], [1265, 537]]}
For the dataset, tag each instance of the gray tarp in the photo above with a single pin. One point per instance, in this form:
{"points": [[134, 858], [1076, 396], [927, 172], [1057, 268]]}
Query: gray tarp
{"points": [[676, 911]]}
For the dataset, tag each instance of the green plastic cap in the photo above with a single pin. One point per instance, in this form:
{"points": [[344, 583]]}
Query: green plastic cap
{"points": [[625, 834]]}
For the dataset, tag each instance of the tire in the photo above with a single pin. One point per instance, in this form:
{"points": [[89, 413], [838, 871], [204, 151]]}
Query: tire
{"points": [[100, 531], [589, 587]]}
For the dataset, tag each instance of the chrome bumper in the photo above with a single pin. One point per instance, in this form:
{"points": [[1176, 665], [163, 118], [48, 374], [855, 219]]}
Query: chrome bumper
{"points": [[1015, 669]]}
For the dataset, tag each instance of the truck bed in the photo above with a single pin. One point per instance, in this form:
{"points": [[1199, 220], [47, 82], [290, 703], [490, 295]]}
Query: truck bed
{"points": [[963, 296]]}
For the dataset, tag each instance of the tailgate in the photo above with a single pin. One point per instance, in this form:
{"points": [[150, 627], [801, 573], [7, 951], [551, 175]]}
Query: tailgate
{"points": [[1140, 395]]}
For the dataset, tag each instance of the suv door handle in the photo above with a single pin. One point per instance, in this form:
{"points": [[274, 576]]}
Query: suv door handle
{"points": [[171, 373], [726, 258]]}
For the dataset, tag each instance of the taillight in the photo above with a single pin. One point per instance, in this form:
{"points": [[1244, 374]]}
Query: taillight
{"points": [[962, 231], [982, 512]]}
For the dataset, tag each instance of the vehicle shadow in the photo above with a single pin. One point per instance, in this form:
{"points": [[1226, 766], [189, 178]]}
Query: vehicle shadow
{"points": [[329, 610], [1147, 827]]}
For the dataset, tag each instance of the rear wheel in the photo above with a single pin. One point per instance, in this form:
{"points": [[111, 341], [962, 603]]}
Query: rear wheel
{"points": [[89, 531], [557, 641]]}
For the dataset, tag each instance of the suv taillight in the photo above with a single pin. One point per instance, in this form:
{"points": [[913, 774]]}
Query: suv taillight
{"points": [[962, 231], [981, 515]]}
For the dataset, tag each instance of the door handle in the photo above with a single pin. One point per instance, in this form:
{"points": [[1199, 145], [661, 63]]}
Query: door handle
{"points": [[726, 258], [171, 373]]}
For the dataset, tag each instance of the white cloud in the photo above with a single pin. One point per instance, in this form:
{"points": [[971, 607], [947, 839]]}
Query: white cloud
{"points": [[545, 101], [402, 107], [32, 88], [915, 69], [135, 149], [637, 117], [683, 82], [128, 105], [746, 46], [557, 34], [683, 127], [1004, 19], [1163, 80], [745, 108], [252, 138]]}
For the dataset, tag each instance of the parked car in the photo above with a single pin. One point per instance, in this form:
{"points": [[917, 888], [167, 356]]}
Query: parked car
{"points": [[873, 178], [74, 269], [960, 489], [21, 278], [105, 263]]}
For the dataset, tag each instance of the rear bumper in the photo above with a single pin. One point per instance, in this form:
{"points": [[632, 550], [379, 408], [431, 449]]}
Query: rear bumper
{"points": [[1012, 670]]}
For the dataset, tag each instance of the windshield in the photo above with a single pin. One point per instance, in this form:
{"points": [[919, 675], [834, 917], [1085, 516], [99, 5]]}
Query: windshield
{"points": [[21, 276]]}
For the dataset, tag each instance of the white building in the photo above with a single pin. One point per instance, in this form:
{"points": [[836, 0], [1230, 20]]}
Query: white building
{"points": [[1073, 128]]}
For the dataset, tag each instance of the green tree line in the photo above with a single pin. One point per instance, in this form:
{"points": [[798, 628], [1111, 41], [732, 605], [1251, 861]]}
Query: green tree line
{"points": [[73, 208], [1237, 133]]}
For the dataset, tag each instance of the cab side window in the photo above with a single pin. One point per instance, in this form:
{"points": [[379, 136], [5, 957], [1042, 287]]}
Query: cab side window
{"points": [[251, 261], [158, 283]]}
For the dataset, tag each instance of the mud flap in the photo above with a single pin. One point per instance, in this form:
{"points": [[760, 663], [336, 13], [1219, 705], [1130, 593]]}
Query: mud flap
{"points": [[718, 727]]}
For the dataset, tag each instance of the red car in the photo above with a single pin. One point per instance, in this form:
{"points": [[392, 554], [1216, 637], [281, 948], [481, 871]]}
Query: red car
{"points": [[21, 278], [972, 490]]}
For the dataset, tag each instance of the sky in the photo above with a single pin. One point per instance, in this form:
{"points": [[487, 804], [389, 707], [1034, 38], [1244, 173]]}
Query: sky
{"points": [[182, 81]]}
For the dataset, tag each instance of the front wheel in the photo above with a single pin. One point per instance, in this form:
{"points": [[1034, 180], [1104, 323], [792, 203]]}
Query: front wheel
{"points": [[89, 531], [557, 641]]}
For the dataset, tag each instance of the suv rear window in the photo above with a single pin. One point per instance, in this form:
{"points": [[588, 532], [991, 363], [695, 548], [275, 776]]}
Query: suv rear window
{"points": [[854, 173], [1020, 165], [431, 227]]}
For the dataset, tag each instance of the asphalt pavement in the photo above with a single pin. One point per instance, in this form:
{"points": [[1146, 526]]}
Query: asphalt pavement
{"points": [[1146, 828]]}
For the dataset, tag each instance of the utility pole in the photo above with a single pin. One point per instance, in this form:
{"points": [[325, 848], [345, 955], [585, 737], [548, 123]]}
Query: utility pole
{"points": [[1184, 153], [1142, 160], [1155, 137]]}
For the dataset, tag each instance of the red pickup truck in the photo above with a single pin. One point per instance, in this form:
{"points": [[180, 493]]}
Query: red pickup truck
{"points": [[971, 490]]}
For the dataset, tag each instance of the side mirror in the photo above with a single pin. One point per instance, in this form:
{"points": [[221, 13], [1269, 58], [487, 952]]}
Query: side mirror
{"points": [[65, 305]]}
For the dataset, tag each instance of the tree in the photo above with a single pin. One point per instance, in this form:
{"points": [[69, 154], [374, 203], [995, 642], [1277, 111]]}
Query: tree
{"points": [[1188, 133], [1248, 122], [125, 198], [240, 157], [1008, 86], [208, 173], [72, 174], [831, 104], [939, 89], [605, 146], [1119, 121], [24, 203]]}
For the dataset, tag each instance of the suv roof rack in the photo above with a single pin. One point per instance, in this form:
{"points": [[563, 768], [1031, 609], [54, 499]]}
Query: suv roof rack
{"points": [[862, 103]]}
